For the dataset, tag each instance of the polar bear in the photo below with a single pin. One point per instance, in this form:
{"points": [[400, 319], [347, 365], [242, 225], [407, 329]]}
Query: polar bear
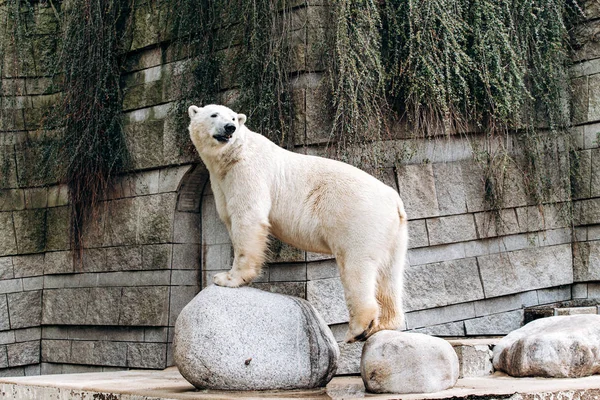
{"points": [[313, 203]]}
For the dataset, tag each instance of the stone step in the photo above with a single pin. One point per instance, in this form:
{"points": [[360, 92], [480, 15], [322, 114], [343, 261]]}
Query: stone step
{"points": [[474, 356]]}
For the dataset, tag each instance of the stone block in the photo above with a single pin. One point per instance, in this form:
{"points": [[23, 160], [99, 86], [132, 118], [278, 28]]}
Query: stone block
{"points": [[280, 252], [122, 258], [65, 306], [146, 306], [555, 294], [156, 256], [56, 351], [213, 229], [506, 303], [12, 199], [8, 242], [30, 230], [185, 278], [104, 305], [6, 268], [25, 353], [140, 183], [581, 176], [58, 262], [25, 309], [146, 355], [156, 335], [36, 198], [595, 173], [6, 336], [3, 357], [451, 229], [432, 254], [449, 187], [170, 178], [497, 223], [495, 324], [155, 222], [579, 291], [473, 176], [593, 92], [296, 289], [287, 272], [536, 218], [450, 329], [322, 270], [327, 296], [441, 284], [586, 261], [58, 227], [349, 360], [121, 223], [555, 236], [417, 234], [524, 270], [4, 321], [576, 310], [28, 334], [29, 265], [33, 283], [58, 195], [590, 136], [586, 212], [187, 228], [440, 315], [179, 298], [416, 185], [105, 333], [11, 286], [214, 256], [145, 139], [475, 360], [585, 36], [32, 370]]}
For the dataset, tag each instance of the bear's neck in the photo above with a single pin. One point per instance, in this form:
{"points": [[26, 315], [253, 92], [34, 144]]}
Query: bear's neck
{"points": [[220, 162]]}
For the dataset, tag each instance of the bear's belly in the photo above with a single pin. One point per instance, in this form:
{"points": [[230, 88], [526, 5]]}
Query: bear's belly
{"points": [[300, 236]]}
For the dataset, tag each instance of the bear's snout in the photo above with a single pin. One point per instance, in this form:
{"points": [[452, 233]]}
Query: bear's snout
{"points": [[229, 128]]}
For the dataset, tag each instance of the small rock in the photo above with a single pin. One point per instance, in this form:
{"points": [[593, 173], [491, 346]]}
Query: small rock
{"points": [[400, 362], [554, 347], [249, 339]]}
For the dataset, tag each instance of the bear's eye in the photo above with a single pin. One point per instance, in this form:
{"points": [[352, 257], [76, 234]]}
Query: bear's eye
{"points": [[233, 119], [214, 116]]}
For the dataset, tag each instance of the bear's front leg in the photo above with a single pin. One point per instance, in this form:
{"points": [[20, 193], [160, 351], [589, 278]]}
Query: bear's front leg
{"points": [[249, 238]]}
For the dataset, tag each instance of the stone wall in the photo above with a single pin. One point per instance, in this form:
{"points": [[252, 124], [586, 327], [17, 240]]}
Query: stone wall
{"points": [[158, 238]]}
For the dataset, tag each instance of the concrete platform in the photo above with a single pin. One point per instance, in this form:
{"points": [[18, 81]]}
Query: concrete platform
{"points": [[170, 385]]}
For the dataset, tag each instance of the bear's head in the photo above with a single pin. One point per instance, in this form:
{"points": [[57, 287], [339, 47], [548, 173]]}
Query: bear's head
{"points": [[215, 126]]}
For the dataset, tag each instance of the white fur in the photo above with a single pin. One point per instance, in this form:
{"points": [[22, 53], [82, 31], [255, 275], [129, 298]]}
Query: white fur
{"points": [[313, 203]]}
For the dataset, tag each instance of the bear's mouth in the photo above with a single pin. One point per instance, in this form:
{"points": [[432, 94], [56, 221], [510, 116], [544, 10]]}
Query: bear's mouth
{"points": [[224, 138]]}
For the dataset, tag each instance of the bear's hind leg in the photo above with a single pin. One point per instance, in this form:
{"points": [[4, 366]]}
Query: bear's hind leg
{"points": [[389, 297], [249, 246], [359, 278]]}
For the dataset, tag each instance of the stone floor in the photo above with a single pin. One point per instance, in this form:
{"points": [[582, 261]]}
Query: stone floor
{"points": [[169, 385]]}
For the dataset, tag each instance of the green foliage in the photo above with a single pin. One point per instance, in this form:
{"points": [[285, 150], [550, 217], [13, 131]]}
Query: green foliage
{"points": [[91, 148], [246, 42]]}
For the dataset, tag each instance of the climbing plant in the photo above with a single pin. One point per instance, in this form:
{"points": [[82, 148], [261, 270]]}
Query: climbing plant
{"points": [[90, 149]]}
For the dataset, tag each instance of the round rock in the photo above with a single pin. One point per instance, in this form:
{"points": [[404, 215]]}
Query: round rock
{"points": [[398, 362], [554, 347], [249, 339]]}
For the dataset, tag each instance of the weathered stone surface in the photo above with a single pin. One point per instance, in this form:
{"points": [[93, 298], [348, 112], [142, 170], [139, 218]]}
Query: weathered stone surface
{"points": [[350, 355], [58, 262], [474, 359], [25, 309], [567, 346], [451, 229], [8, 243], [292, 272], [417, 188], [450, 329], [29, 265], [57, 233], [64, 306], [247, 339], [23, 353], [495, 324], [4, 321], [146, 355], [145, 306], [586, 261], [523, 270], [449, 187], [440, 284], [6, 268], [280, 252], [327, 296], [398, 362], [418, 234]]}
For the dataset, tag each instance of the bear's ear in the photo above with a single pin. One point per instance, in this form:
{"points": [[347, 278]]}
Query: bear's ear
{"points": [[241, 119], [193, 110]]}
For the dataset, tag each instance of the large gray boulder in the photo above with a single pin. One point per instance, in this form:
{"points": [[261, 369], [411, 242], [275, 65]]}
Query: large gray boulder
{"points": [[561, 347], [402, 362], [249, 339]]}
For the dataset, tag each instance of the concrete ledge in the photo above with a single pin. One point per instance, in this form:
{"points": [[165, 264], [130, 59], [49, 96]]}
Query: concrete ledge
{"points": [[170, 385]]}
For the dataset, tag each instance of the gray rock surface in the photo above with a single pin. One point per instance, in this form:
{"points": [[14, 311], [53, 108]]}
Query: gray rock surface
{"points": [[399, 362], [248, 339], [561, 347]]}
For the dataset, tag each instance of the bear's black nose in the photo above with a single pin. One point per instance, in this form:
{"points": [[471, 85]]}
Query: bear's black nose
{"points": [[229, 128]]}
